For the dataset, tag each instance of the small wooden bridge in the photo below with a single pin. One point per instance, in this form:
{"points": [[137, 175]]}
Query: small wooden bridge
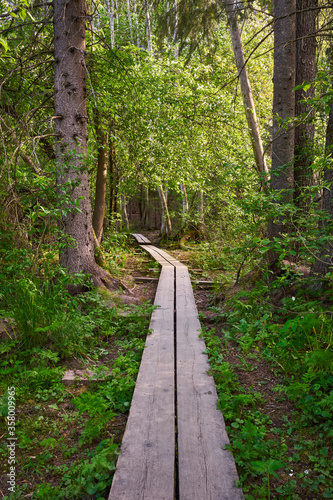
{"points": [[172, 448]]}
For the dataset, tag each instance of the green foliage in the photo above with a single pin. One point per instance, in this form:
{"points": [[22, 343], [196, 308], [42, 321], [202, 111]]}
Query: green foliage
{"points": [[115, 394], [88, 477], [36, 373], [296, 340]]}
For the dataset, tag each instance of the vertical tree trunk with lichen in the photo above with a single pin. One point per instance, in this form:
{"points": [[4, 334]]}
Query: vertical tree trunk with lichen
{"points": [[306, 68], [71, 145]]}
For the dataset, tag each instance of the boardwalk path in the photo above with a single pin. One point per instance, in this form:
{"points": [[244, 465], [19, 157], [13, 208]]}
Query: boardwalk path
{"points": [[172, 446]]}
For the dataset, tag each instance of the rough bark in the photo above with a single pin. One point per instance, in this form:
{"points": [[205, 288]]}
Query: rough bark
{"points": [[251, 117], [101, 177], [71, 145], [305, 73], [282, 178]]}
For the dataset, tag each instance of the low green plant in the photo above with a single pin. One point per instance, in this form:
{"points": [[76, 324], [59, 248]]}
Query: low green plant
{"points": [[269, 467], [91, 476]]}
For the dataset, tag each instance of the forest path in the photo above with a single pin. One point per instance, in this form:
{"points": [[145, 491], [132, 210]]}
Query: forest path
{"points": [[172, 446]]}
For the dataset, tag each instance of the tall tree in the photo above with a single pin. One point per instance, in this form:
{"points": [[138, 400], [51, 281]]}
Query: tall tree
{"points": [[71, 145], [148, 29], [282, 172], [110, 9], [306, 14], [324, 262], [250, 111]]}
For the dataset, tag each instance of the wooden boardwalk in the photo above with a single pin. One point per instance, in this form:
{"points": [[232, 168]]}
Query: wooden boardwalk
{"points": [[172, 446]]}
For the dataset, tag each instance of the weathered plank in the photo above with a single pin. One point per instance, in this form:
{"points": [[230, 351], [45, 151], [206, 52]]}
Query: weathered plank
{"points": [[144, 279], [205, 470], [145, 468], [157, 254], [142, 240]]}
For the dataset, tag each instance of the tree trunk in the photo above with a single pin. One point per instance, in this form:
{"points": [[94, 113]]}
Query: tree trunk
{"points": [[282, 178], [113, 203], [71, 145], [144, 207], [148, 30], [110, 9], [130, 20], [201, 211], [168, 21], [305, 72], [324, 261], [175, 33], [166, 227], [137, 25], [250, 111], [184, 204], [100, 191], [124, 210]]}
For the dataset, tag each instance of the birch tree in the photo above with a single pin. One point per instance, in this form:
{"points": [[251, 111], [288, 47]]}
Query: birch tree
{"points": [[130, 20], [148, 30], [110, 9]]}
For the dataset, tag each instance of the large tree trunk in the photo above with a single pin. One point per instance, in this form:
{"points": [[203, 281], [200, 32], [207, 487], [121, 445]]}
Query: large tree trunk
{"points": [[71, 146], [282, 178], [100, 191], [305, 72], [249, 106]]}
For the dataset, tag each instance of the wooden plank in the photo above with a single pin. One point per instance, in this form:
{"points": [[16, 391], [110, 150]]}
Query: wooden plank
{"points": [[141, 239], [161, 256], [206, 471], [145, 468], [156, 254], [144, 279]]}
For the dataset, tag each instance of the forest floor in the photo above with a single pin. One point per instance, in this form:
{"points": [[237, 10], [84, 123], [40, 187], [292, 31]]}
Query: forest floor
{"points": [[66, 443]]}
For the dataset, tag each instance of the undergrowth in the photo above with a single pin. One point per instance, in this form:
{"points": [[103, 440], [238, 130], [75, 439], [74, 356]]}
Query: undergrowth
{"points": [[288, 327], [67, 438]]}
